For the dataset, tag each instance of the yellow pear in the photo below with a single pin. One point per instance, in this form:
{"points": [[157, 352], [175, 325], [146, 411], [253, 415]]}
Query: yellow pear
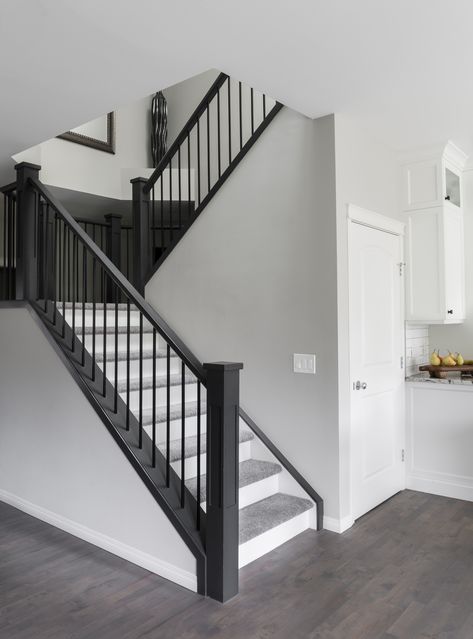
{"points": [[460, 360], [435, 359], [448, 361], [450, 354]]}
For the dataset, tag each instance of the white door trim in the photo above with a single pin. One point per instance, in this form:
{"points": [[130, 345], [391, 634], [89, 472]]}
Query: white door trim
{"points": [[375, 220], [371, 219]]}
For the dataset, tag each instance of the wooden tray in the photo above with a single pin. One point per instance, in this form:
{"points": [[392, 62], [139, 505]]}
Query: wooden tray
{"points": [[441, 372]]}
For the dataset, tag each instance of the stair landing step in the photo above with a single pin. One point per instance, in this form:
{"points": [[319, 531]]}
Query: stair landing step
{"points": [[250, 472], [270, 512], [190, 445]]}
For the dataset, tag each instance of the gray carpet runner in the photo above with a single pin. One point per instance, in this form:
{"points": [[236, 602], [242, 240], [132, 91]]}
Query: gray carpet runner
{"points": [[250, 471], [268, 513]]}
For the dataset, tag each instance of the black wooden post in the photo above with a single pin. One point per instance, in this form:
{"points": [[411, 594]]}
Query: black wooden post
{"points": [[141, 231], [26, 258], [223, 381]]}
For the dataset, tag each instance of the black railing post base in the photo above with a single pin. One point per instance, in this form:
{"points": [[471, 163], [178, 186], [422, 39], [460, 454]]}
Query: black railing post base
{"points": [[223, 380], [141, 234], [26, 259]]}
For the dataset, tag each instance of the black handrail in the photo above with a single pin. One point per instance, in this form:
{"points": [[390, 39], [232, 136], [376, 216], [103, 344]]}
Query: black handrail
{"points": [[149, 313], [198, 112], [303, 483]]}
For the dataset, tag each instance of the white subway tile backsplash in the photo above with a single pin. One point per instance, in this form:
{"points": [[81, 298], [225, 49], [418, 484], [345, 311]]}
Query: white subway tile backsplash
{"points": [[417, 347]]}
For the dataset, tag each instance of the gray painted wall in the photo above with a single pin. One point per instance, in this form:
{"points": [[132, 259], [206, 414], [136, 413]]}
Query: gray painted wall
{"points": [[255, 281], [57, 455]]}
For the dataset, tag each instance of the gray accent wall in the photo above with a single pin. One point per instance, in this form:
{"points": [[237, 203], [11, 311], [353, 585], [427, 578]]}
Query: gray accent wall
{"points": [[255, 280], [58, 461]]}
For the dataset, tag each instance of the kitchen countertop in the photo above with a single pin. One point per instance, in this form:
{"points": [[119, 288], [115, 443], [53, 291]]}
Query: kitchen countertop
{"points": [[452, 378]]}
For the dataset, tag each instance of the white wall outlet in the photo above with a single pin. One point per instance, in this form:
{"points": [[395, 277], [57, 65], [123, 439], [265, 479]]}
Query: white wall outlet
{"points": [[304, 363]]}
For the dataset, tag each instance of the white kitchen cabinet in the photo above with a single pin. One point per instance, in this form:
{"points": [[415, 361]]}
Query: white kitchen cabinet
{"points": [[435, 265], [435, 271]]}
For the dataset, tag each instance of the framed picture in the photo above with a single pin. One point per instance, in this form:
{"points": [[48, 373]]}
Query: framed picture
{"points": [[97, 134]]}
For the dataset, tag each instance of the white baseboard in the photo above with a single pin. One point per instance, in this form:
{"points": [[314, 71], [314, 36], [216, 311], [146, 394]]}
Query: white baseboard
{"points": [[338, 525], [440, 487], [135, 556]]}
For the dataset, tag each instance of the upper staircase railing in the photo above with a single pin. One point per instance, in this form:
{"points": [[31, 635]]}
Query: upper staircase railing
{"points": [[222, 129]]}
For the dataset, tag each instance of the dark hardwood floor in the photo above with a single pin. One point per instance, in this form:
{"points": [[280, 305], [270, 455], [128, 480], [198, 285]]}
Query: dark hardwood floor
{"points": [[405, 570]]}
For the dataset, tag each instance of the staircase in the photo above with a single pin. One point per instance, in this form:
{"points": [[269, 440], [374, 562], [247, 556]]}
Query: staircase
{"points": [[229, 492], [269, 515]]}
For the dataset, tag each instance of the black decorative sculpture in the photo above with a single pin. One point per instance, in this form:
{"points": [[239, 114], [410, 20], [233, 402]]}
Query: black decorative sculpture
{"points": [[159, 127]]}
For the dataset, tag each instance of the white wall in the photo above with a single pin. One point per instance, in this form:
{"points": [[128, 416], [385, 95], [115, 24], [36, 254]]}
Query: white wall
{"points": [[459, 337], [367, 175], [80, 168], [58, 461], [255, 281], [183, 97]]}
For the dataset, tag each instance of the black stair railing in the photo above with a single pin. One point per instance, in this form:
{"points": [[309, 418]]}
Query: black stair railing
{"points": [[222, 129], [8, 241], [137, 374]]}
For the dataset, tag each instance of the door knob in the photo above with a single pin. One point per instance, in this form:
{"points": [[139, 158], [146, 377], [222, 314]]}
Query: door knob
{"points": [[364, 386], [360, 385]]}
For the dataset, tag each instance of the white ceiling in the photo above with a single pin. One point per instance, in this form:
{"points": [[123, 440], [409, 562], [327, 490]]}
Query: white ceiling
{"points": [[403, 68]]}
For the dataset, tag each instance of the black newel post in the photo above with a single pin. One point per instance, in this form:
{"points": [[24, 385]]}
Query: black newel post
{"points": [[223, 399], [113, 247], [26, 258], [141, 231]]}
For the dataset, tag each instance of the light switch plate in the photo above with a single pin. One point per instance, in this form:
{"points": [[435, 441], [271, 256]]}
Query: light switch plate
{"points": [[304, 363]]}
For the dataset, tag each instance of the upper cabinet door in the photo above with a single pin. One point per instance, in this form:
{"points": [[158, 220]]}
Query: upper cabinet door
{"points": [[422, 185], [454, 264]]}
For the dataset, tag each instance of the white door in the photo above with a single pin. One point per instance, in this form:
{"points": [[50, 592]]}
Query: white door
{"points": [[376, 367]]}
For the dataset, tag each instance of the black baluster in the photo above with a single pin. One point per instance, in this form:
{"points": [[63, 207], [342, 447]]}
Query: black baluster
{"points": [[229, 124], [153, 460], [188, 175], [94, 298], [198, 161], [55, 268], [252, 112], [104, 341], [170, 202], [183, 432], [64, 273], [208, 148], [198, 453], [115, 396], [128, 363], [84, 299], [74, 250], [179, 186], [161, 184], [168, 411], [219, 163], [240, 115], [140, 434]]}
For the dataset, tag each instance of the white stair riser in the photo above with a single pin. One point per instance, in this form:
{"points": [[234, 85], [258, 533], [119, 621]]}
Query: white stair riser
{"points": [[122, 342], [147, 396], [190, 464], [161, 368], [175, 428], [255, 492], [271, 539]]}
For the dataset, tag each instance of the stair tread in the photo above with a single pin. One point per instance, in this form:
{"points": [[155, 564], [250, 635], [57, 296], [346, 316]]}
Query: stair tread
{"points": [[175, 412], [190, 445], [250, 472], [98, 306], [161, 382], [270, 512]]}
